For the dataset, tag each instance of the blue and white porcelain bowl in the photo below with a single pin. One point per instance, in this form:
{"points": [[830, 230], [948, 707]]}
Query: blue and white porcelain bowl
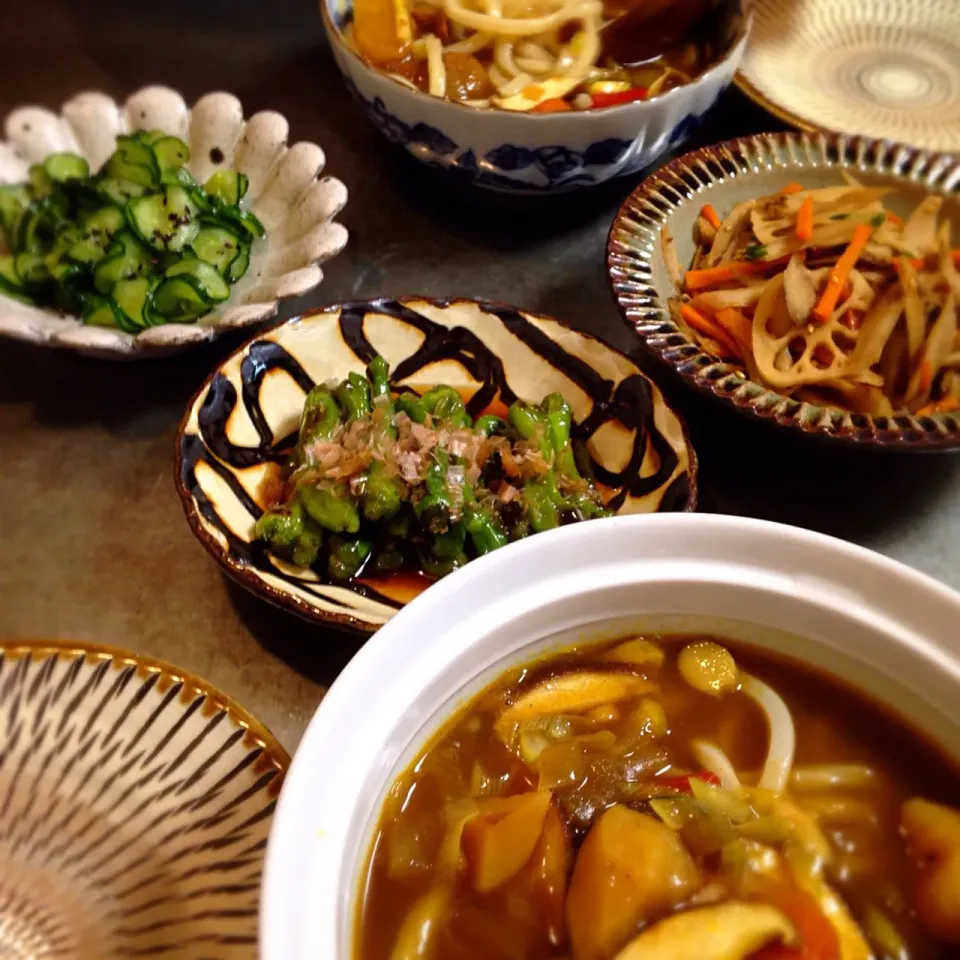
{"points": [[523, 152]]}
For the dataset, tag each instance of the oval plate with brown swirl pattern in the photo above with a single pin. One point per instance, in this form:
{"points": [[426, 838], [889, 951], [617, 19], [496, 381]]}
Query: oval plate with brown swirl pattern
{"points": [[244, 418], [730, 173], [135, 803]]}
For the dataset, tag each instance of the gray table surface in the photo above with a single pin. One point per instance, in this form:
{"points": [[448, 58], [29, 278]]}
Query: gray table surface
{"points": [[93, 543]]}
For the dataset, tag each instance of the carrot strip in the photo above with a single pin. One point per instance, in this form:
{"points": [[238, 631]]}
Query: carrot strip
{"points": [[709, 329], [738, 326], [840, 273], [895, 220], [918, 263], [818, 939], [711, 216], [707, 277], [556, 105], [805, 220], [926, 376], [792, 188], [947, 405]]}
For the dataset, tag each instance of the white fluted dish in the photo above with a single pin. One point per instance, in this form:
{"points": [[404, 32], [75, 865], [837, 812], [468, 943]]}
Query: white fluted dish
{"points": [[879, 68], [287, 191]]}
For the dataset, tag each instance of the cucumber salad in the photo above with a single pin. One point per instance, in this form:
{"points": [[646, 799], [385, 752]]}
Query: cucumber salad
{"points": [[138, 244]]}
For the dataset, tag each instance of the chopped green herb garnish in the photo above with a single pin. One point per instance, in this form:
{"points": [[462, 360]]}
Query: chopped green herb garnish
{"points": [[840, 216], [755, 251], [878, 220]]}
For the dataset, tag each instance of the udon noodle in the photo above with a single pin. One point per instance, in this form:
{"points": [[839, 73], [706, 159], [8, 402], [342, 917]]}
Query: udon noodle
{"points": [[524, 55]]}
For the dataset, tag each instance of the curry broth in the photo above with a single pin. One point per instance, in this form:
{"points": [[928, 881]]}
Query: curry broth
{"points": [[833, 722]]}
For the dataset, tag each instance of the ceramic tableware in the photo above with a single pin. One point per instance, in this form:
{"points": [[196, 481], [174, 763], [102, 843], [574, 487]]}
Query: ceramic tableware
{"points": [[885, 70], [522, 152], [287, 191], [878, 625], [135, 802], [245, 414], [724, 175]]}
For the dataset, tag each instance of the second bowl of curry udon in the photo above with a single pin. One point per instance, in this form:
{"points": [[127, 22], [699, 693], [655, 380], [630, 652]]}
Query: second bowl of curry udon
{"points": [[552, 96], [642, 757]]}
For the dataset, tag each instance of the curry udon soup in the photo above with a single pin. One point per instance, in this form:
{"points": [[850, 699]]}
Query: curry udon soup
{"points": [[660, 800]]}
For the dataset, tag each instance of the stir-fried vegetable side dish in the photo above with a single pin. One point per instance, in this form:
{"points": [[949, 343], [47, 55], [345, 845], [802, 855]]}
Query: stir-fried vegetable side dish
{"points": [[827, 296], [136, 245], [658, 800], [381, 482], [545, 56]]}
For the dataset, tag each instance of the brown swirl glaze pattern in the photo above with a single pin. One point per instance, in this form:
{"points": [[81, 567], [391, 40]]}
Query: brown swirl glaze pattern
{"points": [[135, 804], [244, 419]]}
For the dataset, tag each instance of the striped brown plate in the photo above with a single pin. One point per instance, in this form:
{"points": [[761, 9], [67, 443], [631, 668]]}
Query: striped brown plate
{"points": [[725, 175], [135, 803], [244, 418]]}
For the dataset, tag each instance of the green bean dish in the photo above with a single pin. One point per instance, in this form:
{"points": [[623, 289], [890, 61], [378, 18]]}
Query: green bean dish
{"points": [[138, 244], [381, 482]]}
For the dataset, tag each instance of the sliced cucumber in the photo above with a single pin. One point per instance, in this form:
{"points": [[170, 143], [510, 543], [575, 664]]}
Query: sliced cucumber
{"points": [[101, 312], [166, 221], [31, 269], [66, 166], [179, 300], [184, 177], [208, 280], [120, 191], [218, 247], [40, 182], [233, 218], [14, 200], [171, 153], [230, 186], [10, 285], [133, 298], [133, 161], [126, 258], [240, 265], [149, 137]]}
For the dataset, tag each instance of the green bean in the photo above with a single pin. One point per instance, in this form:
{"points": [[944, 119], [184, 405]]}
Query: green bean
{"points": [[486, 532], [488, 425], [354, 396], [346, 556], [412, 406], [382, 494], [320, 418], [559, 422], [540, 500], [281, 527], [446, 405], [291, 534], [331, 506], [531, 424], [401, 524], [434, 507], [307, 548], [378, 373], [388, 558], [449, 544]]}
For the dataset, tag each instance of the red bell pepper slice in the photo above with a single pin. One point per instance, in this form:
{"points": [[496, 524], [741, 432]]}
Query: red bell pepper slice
{"points": [[613, 99]]}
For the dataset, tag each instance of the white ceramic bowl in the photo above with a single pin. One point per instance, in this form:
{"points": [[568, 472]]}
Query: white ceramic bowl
{"points": [[287, 191], [523, 152], [880, 625]]}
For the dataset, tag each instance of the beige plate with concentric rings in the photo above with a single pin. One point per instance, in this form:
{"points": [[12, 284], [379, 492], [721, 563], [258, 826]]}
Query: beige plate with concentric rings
{"points": [[881, 68], [135, 803]]}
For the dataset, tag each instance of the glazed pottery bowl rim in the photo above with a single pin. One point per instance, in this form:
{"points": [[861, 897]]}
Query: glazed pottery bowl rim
{"points": [[220, 116], [240, 572], [320, 835], [736, 46], [894, 438], [274, 751]]}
